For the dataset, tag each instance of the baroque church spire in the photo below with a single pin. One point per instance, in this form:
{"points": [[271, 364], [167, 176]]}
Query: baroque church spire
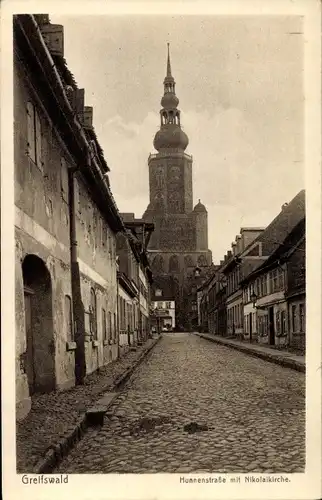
{"points": [[170, 136], [169, 74]]}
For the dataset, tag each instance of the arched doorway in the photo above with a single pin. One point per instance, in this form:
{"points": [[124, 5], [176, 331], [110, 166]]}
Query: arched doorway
{"points": [[40, 355]]}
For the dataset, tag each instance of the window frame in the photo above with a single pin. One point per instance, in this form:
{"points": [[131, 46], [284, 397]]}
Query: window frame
{"points": [[69, 327]]}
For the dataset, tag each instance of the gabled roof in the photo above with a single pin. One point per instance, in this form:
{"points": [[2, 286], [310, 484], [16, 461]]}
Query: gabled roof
{"points": [[282, 252], [276, 232]]}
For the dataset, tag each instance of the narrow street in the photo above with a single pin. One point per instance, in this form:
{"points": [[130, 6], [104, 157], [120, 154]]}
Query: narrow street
{"points": [[251, 415]]}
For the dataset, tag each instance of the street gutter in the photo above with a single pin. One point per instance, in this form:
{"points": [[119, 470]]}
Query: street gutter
{"points": [[277, 358], [59, 450]]}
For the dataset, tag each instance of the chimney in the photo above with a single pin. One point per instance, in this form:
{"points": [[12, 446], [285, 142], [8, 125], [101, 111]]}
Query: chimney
{"points": [[284, 206], [238, 243], [87, 118], [53, 35], [234, 248], [128, 216]]}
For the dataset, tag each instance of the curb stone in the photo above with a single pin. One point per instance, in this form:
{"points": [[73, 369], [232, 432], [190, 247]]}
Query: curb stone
{"points": [[60, 449], [279, 360]]}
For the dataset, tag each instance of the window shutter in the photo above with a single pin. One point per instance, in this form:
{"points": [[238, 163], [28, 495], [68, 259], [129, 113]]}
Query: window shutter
{"points": [[30, 131], [38, 141]]}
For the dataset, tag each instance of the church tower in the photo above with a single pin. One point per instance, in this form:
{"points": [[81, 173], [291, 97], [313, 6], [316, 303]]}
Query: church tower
{"points": [[179, 242]]}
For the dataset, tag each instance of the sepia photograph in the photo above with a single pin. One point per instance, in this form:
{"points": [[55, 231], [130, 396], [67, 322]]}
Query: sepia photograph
{"points": [[160, 221]]}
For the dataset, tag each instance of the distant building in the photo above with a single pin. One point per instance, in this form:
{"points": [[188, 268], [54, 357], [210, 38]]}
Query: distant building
{"points": [[257, 293], [243, 257], [164, 315], [179, 243], [163, 305], [134, 281]]}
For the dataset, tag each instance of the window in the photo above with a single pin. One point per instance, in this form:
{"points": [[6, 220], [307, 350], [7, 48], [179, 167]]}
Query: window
{"points": [[302, 317], [265, 284], [93, 315], [293, 318], [281, 279], [283, 323], [64, 179], [275, 281], [278, 324], [158, 293], [115, 328], [34, 135], [104, 329], [103, 233], [68, 318], [110, 331]]}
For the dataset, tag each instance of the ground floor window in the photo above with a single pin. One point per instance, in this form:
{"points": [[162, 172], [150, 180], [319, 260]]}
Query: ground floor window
{"points": [[104, 329], [69, 318], [302, 317]]}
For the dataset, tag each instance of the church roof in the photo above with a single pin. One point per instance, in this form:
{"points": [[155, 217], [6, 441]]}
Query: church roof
{"points": [[170, 137], [200, 207]]}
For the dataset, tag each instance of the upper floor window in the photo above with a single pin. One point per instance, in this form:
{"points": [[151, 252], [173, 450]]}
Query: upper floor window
{"points": [[281, 279], [265, 284], [104, 233], [34, 135]]}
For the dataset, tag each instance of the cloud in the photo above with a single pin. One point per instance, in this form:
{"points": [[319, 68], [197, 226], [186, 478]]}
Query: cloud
{"points": [[234, 179]]}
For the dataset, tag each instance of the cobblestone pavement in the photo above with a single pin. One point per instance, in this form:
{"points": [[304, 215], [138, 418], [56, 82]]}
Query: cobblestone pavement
{"points": [[55, 414], [254, 412]]}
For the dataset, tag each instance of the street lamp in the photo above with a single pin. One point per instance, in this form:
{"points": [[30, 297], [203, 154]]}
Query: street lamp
{"points": [[253, 298]]}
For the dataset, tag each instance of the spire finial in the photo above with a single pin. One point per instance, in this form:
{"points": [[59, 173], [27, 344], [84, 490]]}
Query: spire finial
{"points": [[169, 63]]}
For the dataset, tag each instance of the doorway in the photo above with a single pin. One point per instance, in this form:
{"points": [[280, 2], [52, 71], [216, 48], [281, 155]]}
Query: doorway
{"points": [[271, 327], [40, 351]]}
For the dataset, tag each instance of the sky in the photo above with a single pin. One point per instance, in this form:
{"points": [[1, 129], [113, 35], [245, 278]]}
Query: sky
{"points": [[239, 80]]}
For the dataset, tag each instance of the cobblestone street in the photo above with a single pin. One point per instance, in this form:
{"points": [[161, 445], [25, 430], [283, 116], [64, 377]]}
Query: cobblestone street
{"points": [[250, 415]]}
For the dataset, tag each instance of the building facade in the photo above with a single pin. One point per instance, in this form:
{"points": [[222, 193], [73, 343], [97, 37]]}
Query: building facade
{"points": [[164, 315], [238, 262], [179, 243], [66, 222], [275, 295]]}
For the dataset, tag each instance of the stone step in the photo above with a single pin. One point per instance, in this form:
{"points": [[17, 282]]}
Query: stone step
{"points": [[95, 414]]}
